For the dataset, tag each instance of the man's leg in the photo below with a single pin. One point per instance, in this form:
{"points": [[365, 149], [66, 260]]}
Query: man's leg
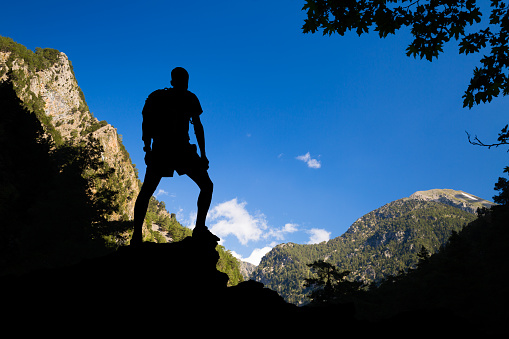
{"points": [[202, 179], [140, 207]]}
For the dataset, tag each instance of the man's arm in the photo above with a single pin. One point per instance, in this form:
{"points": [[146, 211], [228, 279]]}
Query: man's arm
{"points": [[146, 128], [146, 133], [200, 137], [147, 146]]}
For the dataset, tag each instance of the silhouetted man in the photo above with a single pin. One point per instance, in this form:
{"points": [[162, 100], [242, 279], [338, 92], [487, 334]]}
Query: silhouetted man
{"points": [[166, 117]]}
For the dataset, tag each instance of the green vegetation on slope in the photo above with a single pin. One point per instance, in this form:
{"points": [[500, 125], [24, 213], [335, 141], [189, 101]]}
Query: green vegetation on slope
{"points": [[463, 281], [42, 58], [381, 243]]}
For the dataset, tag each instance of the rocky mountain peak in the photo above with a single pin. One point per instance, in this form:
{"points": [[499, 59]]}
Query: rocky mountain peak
{"points": [[459, 199]]}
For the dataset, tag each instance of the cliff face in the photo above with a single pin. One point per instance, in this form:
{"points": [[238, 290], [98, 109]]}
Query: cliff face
{"points": [[53, 90]]}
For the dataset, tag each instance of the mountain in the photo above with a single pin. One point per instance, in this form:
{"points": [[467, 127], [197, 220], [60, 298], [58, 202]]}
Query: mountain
{"points": [[466, 277], [67, 183], [379, 244]]}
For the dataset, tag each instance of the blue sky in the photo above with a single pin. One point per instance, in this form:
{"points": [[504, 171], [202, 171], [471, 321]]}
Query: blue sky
{"points": [[305, 133]]}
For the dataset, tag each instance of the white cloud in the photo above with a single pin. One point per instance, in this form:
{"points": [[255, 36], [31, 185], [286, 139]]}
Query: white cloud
{"points": [[255, 257], [279, 234], [312, 163], [231, 217], [236, 255], [318, 235], [290, 228]]}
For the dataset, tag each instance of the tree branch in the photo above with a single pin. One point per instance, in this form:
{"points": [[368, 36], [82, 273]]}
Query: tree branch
{"points": [[478, 142]]}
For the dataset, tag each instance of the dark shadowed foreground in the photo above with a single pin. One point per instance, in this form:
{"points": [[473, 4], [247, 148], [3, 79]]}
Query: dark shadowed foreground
{"points": [[157, 289]]}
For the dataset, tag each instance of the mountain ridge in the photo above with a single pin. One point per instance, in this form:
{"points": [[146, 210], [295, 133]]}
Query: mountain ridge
{"points": [[380, 243], [456, 198]]}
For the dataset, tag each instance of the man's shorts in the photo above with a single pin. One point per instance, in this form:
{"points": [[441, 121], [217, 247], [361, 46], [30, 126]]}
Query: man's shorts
{"points": [[183, 159]]}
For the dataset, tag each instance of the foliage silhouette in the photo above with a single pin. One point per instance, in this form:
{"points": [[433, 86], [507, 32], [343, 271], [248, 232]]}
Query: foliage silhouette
{"points": [[331, 285], [433, 24], [502, 185], [463, 281]]}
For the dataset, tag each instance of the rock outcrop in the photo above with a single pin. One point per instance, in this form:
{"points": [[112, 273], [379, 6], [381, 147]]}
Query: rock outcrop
{"points": [[148, 287], [175, 289], [458, 199]]}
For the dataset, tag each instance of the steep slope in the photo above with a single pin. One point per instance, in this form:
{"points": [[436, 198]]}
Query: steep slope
{"points": [[46, 84], [466, 277], [381, 243]]}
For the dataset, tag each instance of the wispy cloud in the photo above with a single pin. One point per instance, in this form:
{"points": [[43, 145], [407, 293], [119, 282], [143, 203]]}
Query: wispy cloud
{"points": [[279, 233], [161, 192], [190, 221], [312, 163], [317, 235]]}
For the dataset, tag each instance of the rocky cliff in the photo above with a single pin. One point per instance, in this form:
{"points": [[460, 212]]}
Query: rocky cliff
{"points": [[52, 89]]}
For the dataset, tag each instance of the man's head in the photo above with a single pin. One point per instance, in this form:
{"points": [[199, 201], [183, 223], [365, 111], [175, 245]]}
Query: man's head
{"points": [[179, 78]]}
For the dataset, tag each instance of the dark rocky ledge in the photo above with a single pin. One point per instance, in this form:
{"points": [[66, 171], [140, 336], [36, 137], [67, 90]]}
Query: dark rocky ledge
{"points": [[175, 289]]}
